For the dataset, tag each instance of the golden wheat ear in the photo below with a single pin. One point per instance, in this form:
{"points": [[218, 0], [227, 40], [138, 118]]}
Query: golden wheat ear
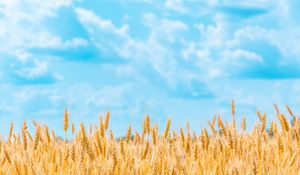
{"points": [[66, 120]]}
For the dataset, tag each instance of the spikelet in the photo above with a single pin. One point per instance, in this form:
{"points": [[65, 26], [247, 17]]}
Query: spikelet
{"points": [[7, 157], [53, 134], [221, 126], [128, 134], [174, 135], [275, 130], [24, 137], [146, 125], [188, 143], [103, 147], [212, 127], [196, 151], [85, 143], [271, 130], [73, 128], [2, 162], [122, 150], [254, 169], [188, 128], [296, 135], [33, 171], [277, 109], [98, 140], [259, 149], [17, 167], [243, 124], [232, 108], [24, 169], [182, 136], [167, 129], [111, 135], [204, 139], [102, 127], [154, 136], [10, 131], [214, 120], [37, 136], [145, 152], [66, 120], [296, 123], [283, 122], [115, 161], [292, 162], [91, 129], [47, 134], [29, 135], [258, 115], [24, 125], [137, 137], [233, 114], [279, 145], [107, 118], [83, 135], [263, 122], [73, 153], [290, 111], [230, 140]]}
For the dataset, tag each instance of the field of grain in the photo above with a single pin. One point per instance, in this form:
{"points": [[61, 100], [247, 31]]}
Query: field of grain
{"points": [[222, 148]]}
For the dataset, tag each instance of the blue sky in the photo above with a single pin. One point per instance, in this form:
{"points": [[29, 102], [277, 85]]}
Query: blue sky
{"points": [[169, 58]]}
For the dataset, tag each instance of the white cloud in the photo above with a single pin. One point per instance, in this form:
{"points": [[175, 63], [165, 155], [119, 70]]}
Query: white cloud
{"points": [[22, 25], [285, 39], [176, 5], [89, 18], [47, 40], [111, 37], [40, 68], [164, 29], [31, 10], [152, 56], [235, 55], [23, 29]]}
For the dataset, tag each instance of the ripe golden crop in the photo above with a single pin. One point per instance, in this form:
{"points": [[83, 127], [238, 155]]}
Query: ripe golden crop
{"points": [[223, 149]]}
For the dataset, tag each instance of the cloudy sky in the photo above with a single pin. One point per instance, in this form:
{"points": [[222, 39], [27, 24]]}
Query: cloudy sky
{"points": [[184, 59]]}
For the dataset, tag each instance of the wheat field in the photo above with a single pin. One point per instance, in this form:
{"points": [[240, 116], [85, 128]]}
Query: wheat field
{"points": [[222, 148]]}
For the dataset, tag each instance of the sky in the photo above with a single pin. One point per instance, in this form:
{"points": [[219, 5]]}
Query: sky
{"points": [[179, 59]]}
